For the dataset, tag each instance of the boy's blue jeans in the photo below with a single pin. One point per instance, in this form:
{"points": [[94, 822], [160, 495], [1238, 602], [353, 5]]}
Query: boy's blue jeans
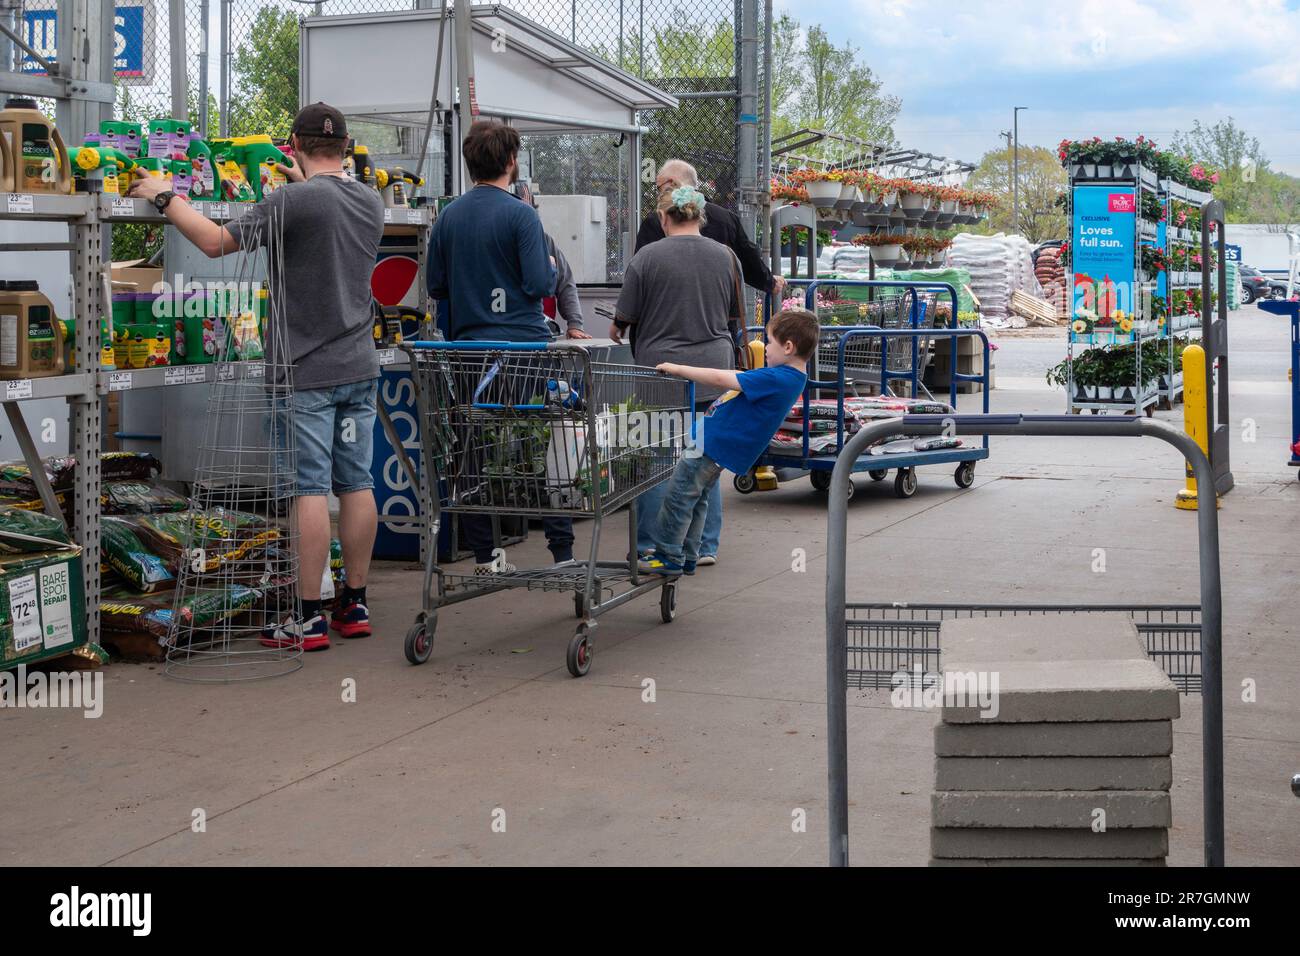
{"points": [[681, 518], [648, 504]]}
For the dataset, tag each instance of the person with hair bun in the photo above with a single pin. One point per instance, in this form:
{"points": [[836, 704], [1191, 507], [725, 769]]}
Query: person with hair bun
{"points": [[683, 302]]}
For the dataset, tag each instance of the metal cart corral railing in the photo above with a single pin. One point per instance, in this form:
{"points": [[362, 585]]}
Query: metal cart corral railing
{"points": [[539, 430], [872, 359], [1291, 307], [1174, 624]]}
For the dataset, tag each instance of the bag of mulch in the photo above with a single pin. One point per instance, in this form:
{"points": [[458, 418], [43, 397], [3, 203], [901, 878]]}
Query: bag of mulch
{"points": [[125, 465], [131, 497], [30, 524], [935, 442], [125, 553], [214, 538], [16, 478], [122, 612]]}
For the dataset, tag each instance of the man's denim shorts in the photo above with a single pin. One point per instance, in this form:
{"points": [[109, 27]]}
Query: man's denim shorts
{"points": [[334, 428]]}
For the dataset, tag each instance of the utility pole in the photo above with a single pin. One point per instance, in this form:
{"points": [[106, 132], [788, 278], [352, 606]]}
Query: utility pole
{"points": [[1011, 182], [1015, 168]]}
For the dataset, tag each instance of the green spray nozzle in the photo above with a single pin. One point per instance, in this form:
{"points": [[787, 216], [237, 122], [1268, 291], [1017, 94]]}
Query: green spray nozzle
{"points": [[99, 157]]}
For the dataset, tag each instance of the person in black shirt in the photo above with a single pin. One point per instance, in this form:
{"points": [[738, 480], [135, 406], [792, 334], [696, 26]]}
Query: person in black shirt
{"points": [[721, 225]]}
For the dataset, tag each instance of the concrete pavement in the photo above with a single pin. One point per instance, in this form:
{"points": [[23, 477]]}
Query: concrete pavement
{"points": [[431, 763]]}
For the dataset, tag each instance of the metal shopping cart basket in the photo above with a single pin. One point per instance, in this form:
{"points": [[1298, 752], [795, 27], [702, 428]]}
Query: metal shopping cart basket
{"points": [[883, 305], [868, 643], [540, 430]]}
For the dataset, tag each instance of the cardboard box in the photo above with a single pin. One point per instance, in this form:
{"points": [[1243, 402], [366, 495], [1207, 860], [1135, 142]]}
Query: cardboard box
{"points": [[135, 271], [42, 605]]}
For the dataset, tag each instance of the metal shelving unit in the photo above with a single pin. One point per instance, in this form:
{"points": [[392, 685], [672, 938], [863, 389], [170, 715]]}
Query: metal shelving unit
{"points": [[1179, 326], [1144, 327]]}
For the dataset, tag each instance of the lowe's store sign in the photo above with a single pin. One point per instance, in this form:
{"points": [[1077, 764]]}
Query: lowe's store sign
{"points": [[133, 36]]}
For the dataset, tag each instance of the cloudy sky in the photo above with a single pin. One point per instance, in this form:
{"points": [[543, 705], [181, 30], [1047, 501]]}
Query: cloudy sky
{"points": [[1084, 67]]}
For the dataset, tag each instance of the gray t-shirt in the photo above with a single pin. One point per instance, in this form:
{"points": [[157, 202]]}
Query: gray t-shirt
{"points": [[683, 295], [331, 229]]}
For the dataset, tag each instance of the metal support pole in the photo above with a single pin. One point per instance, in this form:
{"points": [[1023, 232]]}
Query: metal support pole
{"points": [[1015, 175], [180, 75], [747, 121], [765, 155], [223, 123], [467, 107], [203, 118]]}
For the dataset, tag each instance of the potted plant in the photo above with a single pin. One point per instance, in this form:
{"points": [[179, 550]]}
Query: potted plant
{"points": [[886, 249], [912, 200], [823, 187]]}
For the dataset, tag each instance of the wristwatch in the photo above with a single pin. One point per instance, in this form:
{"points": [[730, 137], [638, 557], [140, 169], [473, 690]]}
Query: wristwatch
{"points": [[162, 199]]}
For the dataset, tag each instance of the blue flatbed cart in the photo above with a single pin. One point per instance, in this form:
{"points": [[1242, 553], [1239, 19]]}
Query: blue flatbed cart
{"points": [[818, 466], [1291, 307]]}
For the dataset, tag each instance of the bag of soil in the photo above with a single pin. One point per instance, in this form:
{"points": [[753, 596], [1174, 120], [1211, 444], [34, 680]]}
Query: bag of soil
{"points": [[214, 539], [123, 465], [122, 612], [125, 553], [139, 498], [16, 477], [32, 524]]}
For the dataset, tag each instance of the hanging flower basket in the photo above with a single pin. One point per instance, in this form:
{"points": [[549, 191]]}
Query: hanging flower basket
{"points": [[823, 192]]}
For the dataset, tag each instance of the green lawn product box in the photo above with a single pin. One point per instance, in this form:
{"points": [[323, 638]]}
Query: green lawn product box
{"points": [[42, 605]]}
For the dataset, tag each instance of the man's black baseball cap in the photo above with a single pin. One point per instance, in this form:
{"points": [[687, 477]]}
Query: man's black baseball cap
{"points": [[320, 119]]}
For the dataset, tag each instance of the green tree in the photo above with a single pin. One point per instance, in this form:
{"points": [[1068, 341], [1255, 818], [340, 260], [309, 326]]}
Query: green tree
{"points": [[842, 94], [1235, 155], [265, 75], [1041, 180]]}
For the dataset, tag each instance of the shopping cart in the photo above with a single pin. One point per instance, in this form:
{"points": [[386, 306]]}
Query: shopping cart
{"points": [[868, 644], [540, 430]]}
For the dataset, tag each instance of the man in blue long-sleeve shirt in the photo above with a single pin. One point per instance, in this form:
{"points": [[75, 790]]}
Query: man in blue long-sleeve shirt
{"points": [[488, 262]]}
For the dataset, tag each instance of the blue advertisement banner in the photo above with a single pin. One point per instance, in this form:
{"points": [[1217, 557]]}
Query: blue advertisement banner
{"points": [[132, 38], [1231, 253], [1102, 249]]}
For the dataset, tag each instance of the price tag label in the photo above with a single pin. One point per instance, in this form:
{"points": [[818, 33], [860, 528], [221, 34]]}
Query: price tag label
{"points": [[18, 388], [225, 373], [25, 611], [21, 202], [388, 215], [218, 210], [255, 370], [387, 356], [414, 217], [119, 381], [195, 373], [122, 207], [175, 376]]}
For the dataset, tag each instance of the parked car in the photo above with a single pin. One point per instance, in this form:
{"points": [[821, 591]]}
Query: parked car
{"points": [[1277, 288], [1254, 285]]}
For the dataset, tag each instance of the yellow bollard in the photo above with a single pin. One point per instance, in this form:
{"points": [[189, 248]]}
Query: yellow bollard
{"points": [[1196, 418]]}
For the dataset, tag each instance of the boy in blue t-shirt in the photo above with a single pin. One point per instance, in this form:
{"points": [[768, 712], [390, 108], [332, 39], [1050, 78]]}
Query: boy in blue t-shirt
{"points": [[737, 429]]}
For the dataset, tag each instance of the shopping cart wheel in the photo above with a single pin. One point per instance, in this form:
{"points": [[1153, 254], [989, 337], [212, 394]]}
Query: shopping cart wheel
{"points": [[419, 640], [821, 480], [744, 483], [905, 482], [879, 474], [965, 474], [579, 655], [668, 601]]}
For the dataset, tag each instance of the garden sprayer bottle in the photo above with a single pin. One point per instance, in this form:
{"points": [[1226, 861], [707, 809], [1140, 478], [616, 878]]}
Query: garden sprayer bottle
{"points": [[397, 186], [229, 173], [40, 157], [111, 168], [258, 157], [124, 136]]}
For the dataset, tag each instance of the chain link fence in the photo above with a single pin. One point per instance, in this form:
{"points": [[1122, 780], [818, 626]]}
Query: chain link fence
{"points": [[688, 50]]}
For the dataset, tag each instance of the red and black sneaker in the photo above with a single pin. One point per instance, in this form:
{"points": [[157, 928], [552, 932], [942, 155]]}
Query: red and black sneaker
{"points": [[351, 619], [312, 635]]}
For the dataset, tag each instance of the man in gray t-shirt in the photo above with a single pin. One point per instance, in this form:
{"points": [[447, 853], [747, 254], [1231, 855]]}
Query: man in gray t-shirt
{"points": [[321, 232]]}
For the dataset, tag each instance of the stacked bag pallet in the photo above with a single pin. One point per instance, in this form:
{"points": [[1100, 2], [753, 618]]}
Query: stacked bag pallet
{"points": [[1068, 761], [998, 266], [1051, 276]]}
